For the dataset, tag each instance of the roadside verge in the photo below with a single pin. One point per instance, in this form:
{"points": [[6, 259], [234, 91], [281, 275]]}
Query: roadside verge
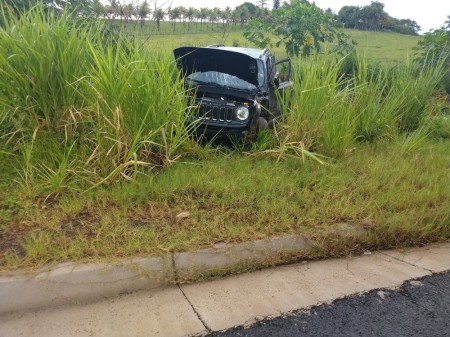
{"points": [[74, 283], [70, 283]]}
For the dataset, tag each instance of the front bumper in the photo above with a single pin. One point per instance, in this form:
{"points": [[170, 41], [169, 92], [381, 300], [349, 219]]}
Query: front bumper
{"points": [[221, 130]]}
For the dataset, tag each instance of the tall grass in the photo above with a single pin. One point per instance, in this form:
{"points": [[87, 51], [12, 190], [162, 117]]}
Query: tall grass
{"points": [[84, 108], [80, 108], [333, 109]]}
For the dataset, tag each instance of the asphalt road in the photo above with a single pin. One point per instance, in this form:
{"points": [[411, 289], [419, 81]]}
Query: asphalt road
{"points": [[418, 308]]}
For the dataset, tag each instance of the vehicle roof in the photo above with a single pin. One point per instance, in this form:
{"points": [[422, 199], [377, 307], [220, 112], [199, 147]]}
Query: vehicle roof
{"points": [[252, 52]]}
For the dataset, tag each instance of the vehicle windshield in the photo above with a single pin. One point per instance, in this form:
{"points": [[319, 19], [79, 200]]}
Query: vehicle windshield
{"points": [[214, 78], [224, 80]]}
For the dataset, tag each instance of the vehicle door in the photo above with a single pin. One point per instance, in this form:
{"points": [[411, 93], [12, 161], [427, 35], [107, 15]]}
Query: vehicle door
{"points": [[281, 85]]}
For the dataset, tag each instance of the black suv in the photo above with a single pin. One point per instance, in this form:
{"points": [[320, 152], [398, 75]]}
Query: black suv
{"points": [[236, 89]]}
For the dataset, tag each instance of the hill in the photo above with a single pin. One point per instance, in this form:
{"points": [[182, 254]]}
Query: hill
{"points": [[379, 46]]}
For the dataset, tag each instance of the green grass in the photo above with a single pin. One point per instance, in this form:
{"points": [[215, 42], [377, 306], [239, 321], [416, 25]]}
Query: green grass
{"points": [[400, 198], [97, 159], [387, 48]]}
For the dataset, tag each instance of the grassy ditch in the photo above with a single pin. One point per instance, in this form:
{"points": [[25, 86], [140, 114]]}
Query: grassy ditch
{"points": [[97, 160], [80, 108], [401, 199]]}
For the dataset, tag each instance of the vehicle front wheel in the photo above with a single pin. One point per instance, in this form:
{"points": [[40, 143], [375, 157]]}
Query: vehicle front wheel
{"points": [[261, 124]]}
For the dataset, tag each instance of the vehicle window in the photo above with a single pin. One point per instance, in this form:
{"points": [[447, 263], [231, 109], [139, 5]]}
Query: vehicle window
{"points": [[283, 70], [261, 76]]}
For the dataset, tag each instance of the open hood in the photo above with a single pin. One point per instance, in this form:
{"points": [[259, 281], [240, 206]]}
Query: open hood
{"points": [[195, 59]]}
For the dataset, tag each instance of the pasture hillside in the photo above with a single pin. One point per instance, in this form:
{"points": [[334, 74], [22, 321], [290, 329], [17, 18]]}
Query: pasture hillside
{"points": [[384, 47]]}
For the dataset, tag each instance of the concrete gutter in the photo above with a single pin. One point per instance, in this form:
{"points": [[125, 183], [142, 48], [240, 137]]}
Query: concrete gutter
{"points": [[203, 307], [72, 283]]}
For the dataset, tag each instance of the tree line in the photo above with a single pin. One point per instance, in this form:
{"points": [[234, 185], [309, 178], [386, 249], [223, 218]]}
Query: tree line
{"points": [[126, 11], [374, 17], [370, 17], [187, 15]]}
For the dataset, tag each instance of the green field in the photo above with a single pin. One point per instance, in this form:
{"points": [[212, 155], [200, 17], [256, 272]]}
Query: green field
{"points": [[384, 47], [97, 159], [380, 46]]}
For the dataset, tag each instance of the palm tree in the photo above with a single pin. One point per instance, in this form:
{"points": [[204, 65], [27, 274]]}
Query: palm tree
{"points": [[143, 11], [226, 15], [170, 15], [128, 12], [262, 3], [182, 11], [176, 14], [203, 15], [113, 9], [98, 10], [190, 13], [212, 15], [217, 14], [244, 15], [236, 15], [158, 15]]}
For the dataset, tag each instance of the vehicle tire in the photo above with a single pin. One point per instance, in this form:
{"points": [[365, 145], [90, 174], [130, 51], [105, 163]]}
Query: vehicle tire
{"points": [[261, 124]]}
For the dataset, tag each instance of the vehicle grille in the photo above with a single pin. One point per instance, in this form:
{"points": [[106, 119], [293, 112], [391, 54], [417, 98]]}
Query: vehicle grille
{"points": [[216, 113]]}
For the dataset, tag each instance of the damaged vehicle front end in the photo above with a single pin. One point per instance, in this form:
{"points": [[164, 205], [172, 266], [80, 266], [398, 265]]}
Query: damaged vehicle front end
{"points": [[234, 89]]}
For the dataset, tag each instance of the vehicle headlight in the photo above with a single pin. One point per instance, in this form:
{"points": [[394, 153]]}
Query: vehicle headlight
{"points": [[242, 113]]}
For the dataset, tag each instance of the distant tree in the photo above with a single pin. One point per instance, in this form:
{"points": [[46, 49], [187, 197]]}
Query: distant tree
{"points": [[113, 9], [349, 16], [203, 15], [226, 15], [244, 15], [80, 7], [236, 16], [169, 13], [143, 11], [330, 13], [98, 10], [158, 16], [176, 15], [128, 11], [212, 15], [373, 16], [262, 3], [407, 26], [252, 10], [190, 14], [217, 14], [182, 10], [276, 4], [263, 13]]}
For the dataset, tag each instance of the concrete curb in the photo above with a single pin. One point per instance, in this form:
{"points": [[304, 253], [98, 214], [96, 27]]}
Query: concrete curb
{"points": [[228, 257], [70, 283]]}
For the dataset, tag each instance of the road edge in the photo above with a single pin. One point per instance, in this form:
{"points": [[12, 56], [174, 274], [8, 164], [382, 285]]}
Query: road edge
{"points": [[73, 283]]}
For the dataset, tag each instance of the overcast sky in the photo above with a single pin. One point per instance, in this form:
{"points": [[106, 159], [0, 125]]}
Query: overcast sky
{"points": [[429, 14]]}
